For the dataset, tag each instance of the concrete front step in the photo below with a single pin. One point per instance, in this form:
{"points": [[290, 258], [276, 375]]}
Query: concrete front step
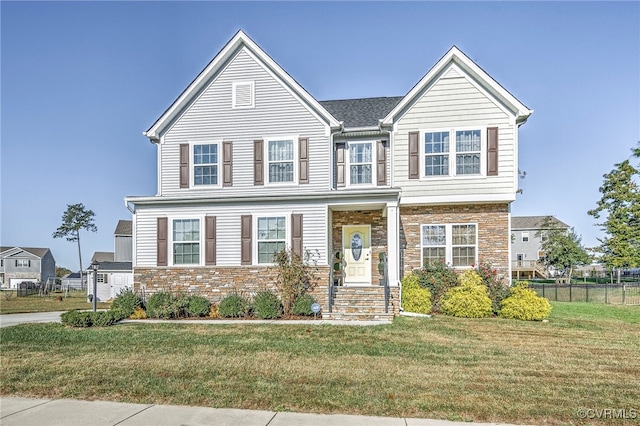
{"points": [[359, 303]]}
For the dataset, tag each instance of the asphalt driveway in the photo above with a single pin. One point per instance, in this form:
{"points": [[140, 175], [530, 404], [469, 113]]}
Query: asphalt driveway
{"points": [[8, 320]]}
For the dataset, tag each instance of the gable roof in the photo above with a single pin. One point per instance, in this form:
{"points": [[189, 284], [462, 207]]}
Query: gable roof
{"points": [[239, 41], [456, 56], [36, 251], [102, 256], [365, 112], [115, 266], [123, 228], [533, 222]]}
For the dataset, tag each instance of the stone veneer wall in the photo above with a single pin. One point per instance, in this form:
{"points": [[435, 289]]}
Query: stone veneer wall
{"points": [[378, 234], [215, 283], [493, 235]]}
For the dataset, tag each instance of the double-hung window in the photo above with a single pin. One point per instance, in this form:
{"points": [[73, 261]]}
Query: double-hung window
{"points": [[186, 241], [360, 163], [525, 236], [22, 263], [272, 237], [455, 244], [452, 153], [280, 157], [206, 164]]}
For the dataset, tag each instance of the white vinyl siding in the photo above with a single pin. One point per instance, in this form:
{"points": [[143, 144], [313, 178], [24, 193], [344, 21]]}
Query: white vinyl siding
{"points": [[455, 104], [228, 227], [277, 111]]}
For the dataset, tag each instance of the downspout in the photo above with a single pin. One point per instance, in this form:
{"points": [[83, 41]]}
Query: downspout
{"points": [[333, 188]]}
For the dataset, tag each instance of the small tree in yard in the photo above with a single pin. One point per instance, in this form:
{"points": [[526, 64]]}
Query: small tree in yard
{"points": [[294, 277], [562, 247], [619, 208], [75, 218]]}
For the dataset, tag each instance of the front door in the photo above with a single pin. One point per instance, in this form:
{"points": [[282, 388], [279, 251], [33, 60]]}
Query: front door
{"points": [[356, 246]]}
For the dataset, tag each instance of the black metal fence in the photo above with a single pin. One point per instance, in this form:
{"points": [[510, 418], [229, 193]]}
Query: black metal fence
{"points": [[627, 293], [27, 288]]}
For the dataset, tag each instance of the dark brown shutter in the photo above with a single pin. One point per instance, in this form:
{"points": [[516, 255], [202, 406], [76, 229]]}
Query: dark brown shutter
{"points": [[381, 171], [105, 278], [227, 163], [303, 153], [161, 246], [414, 155], [245, 240], [492, 151], [184, 165], [258, 162], [210, 240], [340, 164], [296, 234]]}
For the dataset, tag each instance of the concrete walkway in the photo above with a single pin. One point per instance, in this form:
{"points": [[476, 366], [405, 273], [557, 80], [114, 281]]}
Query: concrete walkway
{"points": [[69, 412]]}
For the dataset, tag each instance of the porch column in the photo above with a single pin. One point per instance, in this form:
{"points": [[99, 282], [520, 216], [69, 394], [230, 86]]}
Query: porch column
{"points": [[393, 235]]}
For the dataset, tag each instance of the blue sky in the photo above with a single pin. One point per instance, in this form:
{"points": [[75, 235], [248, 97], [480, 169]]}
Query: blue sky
{"points": [[81, 81]]}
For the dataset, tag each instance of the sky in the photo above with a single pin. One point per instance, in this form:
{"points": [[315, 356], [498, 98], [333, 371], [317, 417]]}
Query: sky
{"points": [[81, 81]]}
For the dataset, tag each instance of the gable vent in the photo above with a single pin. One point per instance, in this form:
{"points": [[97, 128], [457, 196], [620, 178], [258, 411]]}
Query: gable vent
{"points": [[243, 94]]}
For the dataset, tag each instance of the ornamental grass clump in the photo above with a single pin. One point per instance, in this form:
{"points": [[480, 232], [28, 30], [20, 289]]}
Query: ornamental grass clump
{"points": [[198, 306], [126, 302], [267, 305], [415, 298], [468, 300], [302, 305], [524, 304], [234, 305]]}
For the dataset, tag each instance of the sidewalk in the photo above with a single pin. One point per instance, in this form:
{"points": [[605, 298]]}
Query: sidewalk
{"points": [[69, 412]]}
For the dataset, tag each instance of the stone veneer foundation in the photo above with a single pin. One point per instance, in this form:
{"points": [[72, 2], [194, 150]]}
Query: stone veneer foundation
{"points": [[493, 235]]}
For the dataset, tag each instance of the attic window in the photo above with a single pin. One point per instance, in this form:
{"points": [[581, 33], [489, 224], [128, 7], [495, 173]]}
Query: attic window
{"points": [[243, 94]]}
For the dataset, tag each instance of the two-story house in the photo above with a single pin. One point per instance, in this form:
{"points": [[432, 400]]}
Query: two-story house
{"points": [[114, 269], [250, 163], [526, 246], [18, 264]]}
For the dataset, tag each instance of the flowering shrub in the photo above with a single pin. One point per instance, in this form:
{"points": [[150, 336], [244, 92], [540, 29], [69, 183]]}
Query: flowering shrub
{"points": [[415, 298], [523, 303], [438, 278], [498, 288]]}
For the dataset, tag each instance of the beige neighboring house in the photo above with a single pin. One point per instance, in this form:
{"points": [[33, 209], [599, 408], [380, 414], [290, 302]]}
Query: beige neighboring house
{"points": [[115, 272], [368, 189], [18, 264]]}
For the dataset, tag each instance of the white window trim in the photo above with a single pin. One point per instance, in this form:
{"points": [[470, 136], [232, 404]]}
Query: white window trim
{"points": [[100, 278], [525, 234], [374, 164], [192, 163], [26, 261], [452, 152], [252, 88], [296, 160], [171, 219], [448, 242], [254, 237]]}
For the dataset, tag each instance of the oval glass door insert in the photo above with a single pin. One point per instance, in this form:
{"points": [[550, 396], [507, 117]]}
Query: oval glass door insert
{"points": [[356, 246]]}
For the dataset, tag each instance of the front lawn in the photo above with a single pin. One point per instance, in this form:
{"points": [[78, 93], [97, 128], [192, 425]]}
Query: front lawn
{"points": [[55, 301], [489, 370]]}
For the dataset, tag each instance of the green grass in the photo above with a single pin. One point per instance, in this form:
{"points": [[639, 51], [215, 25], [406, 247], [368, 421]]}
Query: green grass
{"points": [[10, 304], [489, 370]]}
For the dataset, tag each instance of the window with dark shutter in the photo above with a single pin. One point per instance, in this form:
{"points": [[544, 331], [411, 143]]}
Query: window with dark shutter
{"points": [[227, 163], [414, 155], [184, 165], [296, 234], [245, 240], [161, 246], [210, 240], [492, 151], [303, 153], [381, 171], [258, 162], [340, 164]]}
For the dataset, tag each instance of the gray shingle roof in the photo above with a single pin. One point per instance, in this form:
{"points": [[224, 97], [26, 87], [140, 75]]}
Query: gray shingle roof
{"points": [[361, 112], [37, 251], [115, 266], [533, 222], [123, 228], [102, 256]]}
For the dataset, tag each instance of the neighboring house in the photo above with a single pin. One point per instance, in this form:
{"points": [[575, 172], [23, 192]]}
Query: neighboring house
{"points": [[115, 272], [526, 250], [250, 163], [72, 281], [19, 264]]}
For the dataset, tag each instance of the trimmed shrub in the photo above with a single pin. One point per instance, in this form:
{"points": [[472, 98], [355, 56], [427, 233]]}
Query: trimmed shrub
{"points": [[524, 303], [126, 302], [438, 278], [162, 305], [267, 305], [302, 305], [198, 306], [415, 298], [468, 300], [234, 306], [89, 318]]}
